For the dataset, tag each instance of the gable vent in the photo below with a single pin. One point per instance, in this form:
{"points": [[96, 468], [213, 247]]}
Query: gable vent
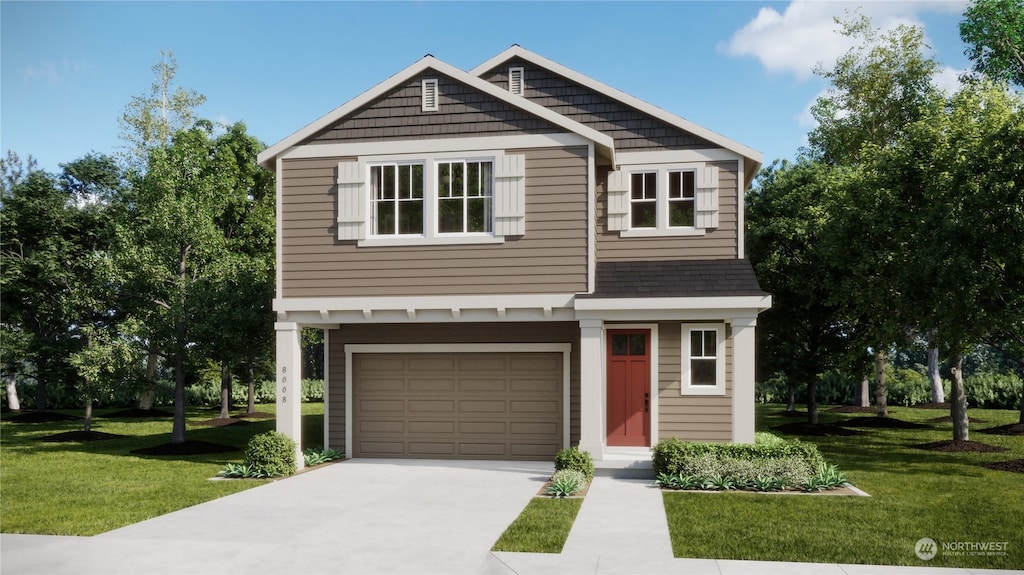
{"points": [[430, 95], [515, 81]]}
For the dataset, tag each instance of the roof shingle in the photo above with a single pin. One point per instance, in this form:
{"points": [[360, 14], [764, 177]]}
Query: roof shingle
{"points": [[675, 278]]}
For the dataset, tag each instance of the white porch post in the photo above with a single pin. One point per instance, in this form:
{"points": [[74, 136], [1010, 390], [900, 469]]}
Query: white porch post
{"points": [[289, 383], [743, 379], [592, 362]]}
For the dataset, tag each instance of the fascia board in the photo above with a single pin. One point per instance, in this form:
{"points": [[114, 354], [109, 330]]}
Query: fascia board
{"points": [[266, 158], [518, 51], [759, 303]]}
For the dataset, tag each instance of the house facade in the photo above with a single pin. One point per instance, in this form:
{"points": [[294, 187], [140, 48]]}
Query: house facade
{"points": [[512, 260]]}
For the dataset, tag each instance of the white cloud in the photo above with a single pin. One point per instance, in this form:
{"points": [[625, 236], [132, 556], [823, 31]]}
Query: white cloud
{"points": [[804, 118], [46, 72], [948, 79], [805, 34], [55, 74]]}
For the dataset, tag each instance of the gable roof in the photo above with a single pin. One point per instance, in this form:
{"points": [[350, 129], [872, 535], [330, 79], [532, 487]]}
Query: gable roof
{"points": [[752, 157], [604, 144]]}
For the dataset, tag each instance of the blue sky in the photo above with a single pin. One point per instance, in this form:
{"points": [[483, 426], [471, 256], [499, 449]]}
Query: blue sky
{"points": [[742, 69]]}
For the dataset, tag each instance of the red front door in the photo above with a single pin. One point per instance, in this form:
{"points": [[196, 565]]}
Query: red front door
{"points": [[629, 387]]}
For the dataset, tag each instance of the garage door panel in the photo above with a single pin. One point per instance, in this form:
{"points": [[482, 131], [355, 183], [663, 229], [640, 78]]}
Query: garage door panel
{"points": [[431, 385], [503, 405]]}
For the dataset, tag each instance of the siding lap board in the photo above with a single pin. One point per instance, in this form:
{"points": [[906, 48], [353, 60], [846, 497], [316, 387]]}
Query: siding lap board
{"points": [[549, 258]]}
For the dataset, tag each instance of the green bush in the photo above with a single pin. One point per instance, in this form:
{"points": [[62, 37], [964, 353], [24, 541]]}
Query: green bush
{"points": [[318, 455], [271, 454], [991, 390], [566, 482], [573, 458], [906, 387], [672, 454]]}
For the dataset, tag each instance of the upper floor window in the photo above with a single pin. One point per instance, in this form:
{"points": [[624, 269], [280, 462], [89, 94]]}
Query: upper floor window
{"points": [[682, 188], [644, 200], [465, 192], [397, 198]]}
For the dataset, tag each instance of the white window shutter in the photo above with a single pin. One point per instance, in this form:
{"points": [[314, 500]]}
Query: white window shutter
{"points": [[510, 195], [707, 197], [618, 200], [351, 201]]}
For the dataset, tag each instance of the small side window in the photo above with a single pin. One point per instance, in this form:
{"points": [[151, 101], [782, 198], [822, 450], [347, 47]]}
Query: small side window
{"points": [[703, 355]]}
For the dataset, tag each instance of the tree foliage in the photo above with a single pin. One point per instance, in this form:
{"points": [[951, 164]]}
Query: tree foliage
{"points": [[993, 31]]}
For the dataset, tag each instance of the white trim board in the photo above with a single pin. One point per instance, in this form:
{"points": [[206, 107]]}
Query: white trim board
{"points": [[564, 348], [415, 148]]}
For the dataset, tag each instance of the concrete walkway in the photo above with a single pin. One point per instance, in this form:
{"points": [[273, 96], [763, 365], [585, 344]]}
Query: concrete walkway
{"points": [[393, 517]]}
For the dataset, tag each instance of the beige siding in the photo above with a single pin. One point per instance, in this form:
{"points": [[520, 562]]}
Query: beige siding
{"points": [[690, 417], [553, 332], [718, 243], [550, 258]]}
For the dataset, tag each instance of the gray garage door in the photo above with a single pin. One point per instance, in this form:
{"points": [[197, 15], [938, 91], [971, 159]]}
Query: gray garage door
{"points": [[457, 405]]}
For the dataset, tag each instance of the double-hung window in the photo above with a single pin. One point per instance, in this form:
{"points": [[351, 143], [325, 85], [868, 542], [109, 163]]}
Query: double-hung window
{"points": [[644, 199], [703, 364], [682, 188], [465, 194], [397, 196]]}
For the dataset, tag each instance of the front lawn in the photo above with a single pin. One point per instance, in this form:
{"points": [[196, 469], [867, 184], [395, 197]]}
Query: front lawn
{"points": [[86, 488], [915, 494]]}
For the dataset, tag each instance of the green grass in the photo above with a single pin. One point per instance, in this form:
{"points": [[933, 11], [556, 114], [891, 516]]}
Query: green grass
{"points": [[92, 487], [947, 497], [542, 527]]}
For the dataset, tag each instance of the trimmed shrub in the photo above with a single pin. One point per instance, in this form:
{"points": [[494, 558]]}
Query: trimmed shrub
{"points": [[672, 454], [573, 458], [566, 482], [271, 454], [992, 390]]}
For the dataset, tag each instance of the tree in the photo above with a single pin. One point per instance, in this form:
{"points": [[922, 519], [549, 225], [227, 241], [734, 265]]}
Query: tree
{"points": [[993, 31], [787, 219], [13, 170], [150, 121], [960, 166], [175, 247]]}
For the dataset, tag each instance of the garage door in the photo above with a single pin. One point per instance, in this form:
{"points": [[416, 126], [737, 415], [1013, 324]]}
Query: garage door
{"points": [[457, 405]]}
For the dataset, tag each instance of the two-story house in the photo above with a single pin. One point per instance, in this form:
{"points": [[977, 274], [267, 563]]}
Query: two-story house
{"points": [[513, 260]]}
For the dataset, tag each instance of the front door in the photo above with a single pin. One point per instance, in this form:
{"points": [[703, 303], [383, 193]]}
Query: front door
{"points": [[629, 387]]}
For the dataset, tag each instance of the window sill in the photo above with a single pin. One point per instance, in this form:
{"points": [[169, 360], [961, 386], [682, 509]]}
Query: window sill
{"points": [[661, 233], [706, 390], [413, 241]]}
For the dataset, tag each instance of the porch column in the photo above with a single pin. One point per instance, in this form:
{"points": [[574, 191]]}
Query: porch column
{"points": [[592, 362], [289, 383], [743, 379]]}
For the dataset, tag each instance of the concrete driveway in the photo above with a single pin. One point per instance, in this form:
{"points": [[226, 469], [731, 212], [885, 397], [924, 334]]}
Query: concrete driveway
{"points": [[359, 516]]}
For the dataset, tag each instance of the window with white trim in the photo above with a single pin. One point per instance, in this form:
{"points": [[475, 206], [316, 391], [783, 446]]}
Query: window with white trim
{"points": [[663, 199], [397, 196], [465, 192], [431, 199], [703, 359]]}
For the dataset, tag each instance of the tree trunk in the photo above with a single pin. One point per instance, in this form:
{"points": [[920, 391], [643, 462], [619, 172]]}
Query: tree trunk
{"points": [[41, 385], [88, 415], [863, 396], [1021, 420], [11, 381], [250, 374], [225, 391], [148, 395], [881, 393], [958, 399], [178, 429], [938, 395], [812, 401]]}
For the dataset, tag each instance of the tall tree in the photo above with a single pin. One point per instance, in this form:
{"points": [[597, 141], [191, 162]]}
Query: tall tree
{"points": [[993, 31], [14, 170]]}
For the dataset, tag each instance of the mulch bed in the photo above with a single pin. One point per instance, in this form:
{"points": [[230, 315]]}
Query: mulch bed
{"points": [[1010, 429], [221, 422], [949, 419], [40, 417], [1016, 465], [80, 435], [255, 415], [881, 423], [136, 413], [932, 406], [854, 409], [189, 447], [950, 446], [820, 429]]}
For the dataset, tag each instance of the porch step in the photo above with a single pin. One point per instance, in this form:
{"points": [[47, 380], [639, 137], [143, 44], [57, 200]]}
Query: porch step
{"points": [[632, 464]]}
